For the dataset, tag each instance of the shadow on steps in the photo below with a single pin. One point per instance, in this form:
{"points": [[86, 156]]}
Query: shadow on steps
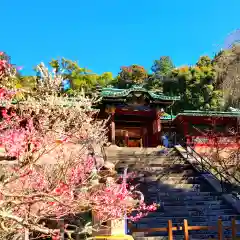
{"points": [[180, 190]]}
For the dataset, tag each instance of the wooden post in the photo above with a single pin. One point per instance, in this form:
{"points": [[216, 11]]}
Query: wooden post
{"points": [[185, 229], [170, 232], [188, 140], [61, 226], [234, 232], [144, 134], [113, 125], [113, 131], [185, 128], [220, 229], [126, 138], [158, 124]]}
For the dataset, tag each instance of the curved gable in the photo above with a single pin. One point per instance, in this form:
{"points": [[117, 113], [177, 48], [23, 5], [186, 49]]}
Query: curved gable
{"points": [[137, 91]]}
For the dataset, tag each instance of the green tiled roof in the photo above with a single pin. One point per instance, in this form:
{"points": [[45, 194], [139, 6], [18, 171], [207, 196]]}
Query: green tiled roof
{"points": [[121, 93], [209, 113]]}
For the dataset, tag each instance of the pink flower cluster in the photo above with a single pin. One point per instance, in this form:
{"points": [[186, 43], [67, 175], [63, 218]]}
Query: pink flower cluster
{"points": [[18, 140], [4, 64], [6, 94], [64, 187], [142, 211]]}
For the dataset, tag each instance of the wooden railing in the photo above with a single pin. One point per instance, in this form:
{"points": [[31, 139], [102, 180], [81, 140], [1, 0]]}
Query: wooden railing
{"points": [[206, 166], [186, 228]]}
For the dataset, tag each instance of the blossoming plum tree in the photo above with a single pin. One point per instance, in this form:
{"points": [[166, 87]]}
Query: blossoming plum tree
{"points": [[7, 71], [55, 171]]}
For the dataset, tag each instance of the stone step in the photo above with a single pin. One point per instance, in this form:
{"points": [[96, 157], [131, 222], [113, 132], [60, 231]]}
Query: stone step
{"points": [[154, 162], [188, 195], [206, 204], [186, 170], [178, 178], [163, 174], [178, 187], [190, 213], [210, 207], [143, 151], [185, 173], [158, 223], [192, 196], [141, 155], [180, 198], [147, 159], [196, 207], [174, 187], [150, 167], [182, 180], [158, 166], [193, 219]]}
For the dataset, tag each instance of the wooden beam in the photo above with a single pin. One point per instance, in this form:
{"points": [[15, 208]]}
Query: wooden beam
{"points": [[170, 231], [234, 230], [220, 229], [185, 229]]}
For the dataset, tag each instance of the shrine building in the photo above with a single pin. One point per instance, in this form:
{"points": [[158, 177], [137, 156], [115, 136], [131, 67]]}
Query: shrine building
{"points": [[208, 128], [137, 116]]}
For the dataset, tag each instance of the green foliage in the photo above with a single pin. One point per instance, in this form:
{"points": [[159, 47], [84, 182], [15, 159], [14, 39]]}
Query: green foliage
{"points": [[105, 79], [163, 66], [153, 83], [80, 78], [196, 86], [161, 69], [204, 61], [199, 86], [28, 82]]}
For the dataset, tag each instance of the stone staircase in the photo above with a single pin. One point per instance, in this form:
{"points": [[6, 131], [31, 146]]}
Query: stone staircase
{"points": [[180, 190]]}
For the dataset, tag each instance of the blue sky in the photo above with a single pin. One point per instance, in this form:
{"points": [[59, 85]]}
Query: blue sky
{"points": [[104, 35]]}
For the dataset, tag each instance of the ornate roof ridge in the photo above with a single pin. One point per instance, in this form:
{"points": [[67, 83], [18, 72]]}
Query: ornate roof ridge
{"points": [[120, 92]]}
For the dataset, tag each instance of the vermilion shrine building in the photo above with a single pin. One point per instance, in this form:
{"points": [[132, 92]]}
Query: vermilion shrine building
{"points": [[135, 115], [138, 118], [201, 128]]}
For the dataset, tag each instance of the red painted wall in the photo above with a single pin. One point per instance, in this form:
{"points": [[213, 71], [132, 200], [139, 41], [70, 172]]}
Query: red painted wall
{"points": [[205, 141]]}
